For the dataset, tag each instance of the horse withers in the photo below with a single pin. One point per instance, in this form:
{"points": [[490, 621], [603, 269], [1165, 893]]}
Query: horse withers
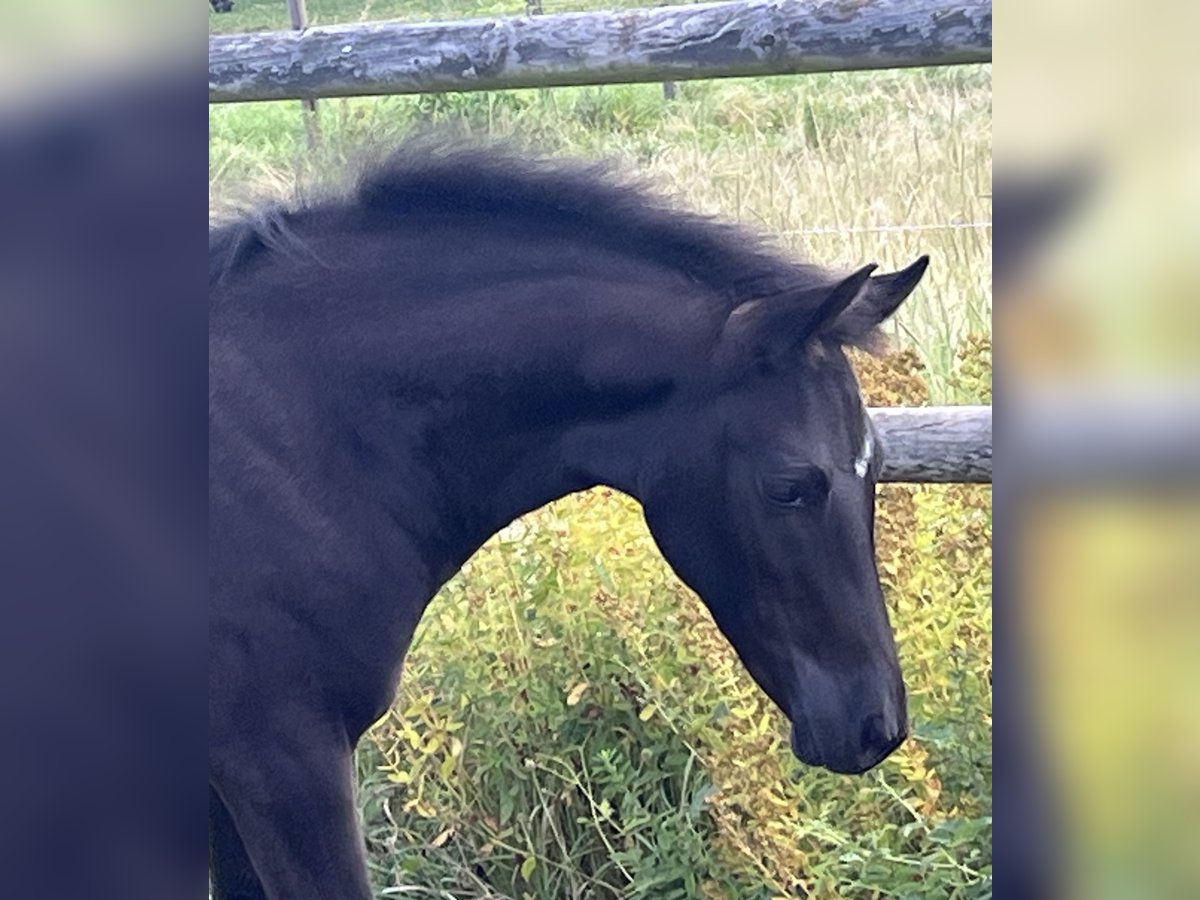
{"points": [[398, 373]]}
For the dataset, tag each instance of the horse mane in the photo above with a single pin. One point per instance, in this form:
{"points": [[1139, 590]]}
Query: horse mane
{"points": [[231, 246], [584, 200], [563, 197]]}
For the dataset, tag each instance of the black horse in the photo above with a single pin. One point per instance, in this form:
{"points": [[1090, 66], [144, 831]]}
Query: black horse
{"points": [[396, 375]]}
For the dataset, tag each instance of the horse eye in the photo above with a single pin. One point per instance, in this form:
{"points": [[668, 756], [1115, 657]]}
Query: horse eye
{"points": [[803, 487]]}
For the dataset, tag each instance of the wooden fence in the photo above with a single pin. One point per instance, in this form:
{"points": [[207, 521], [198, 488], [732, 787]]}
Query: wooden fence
{"points": [[935, 444], [671, 43]]}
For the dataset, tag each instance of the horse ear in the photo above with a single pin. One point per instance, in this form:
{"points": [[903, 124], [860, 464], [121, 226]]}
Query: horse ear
{"points": [[770, 330], [881, 298]]}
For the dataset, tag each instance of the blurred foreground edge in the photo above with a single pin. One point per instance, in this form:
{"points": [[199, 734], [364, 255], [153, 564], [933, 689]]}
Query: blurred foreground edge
{"points": [[1115, 437], [103, 396]]}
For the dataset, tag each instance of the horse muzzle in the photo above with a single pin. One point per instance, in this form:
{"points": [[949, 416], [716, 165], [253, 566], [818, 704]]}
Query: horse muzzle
{"points": [[849, 739]]}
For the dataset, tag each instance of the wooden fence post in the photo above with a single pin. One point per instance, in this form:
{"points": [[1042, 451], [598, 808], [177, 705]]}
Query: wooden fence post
{"points": [[669, 87], [299, 17]]}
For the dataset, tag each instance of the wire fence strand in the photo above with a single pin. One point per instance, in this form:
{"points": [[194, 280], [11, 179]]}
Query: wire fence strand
{"points": [[884, 229]]}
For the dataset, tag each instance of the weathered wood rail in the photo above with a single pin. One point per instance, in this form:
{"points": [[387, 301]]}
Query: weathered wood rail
{"points": [[672, 43], [935, 444]]}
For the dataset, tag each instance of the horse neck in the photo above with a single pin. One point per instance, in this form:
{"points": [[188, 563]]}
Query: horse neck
{"points": [[520, 416]]}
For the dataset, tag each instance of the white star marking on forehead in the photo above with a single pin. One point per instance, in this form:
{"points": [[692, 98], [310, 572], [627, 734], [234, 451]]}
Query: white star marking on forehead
{"points": [[863, 463]]}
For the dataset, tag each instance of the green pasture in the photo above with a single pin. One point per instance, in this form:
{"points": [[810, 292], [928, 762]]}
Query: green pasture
{"points": [[571, 724]]}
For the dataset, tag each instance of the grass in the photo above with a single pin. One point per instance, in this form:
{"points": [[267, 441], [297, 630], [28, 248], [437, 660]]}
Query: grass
{"points": [[571, 724]]}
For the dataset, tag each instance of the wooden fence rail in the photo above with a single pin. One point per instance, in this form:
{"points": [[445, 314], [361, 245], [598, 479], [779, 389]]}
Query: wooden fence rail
{"points": [[671, 43], [936, 444]]}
